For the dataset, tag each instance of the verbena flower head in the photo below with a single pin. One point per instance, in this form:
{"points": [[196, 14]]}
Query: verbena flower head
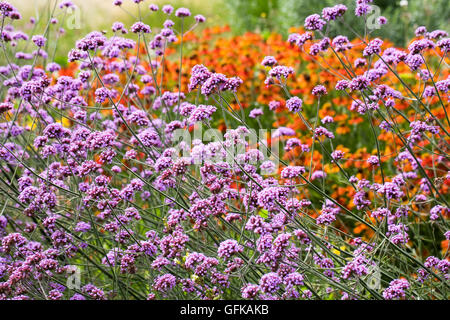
{"points": [[396, 290], [332, 13], [269, 61], [294, 104], [182, 13], [200, 18], [314, 22], [319, 91], [140, 27], [201, 112], [39, 40], [167, 9]]}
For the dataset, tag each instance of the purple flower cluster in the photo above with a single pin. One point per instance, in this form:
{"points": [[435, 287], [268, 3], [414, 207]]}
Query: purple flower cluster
{"points": [[314, 22], [201, 113], [332, 13], [104, 183], [39, 40], [228, 248], [294, 104], [292, 172], [396, 290]]}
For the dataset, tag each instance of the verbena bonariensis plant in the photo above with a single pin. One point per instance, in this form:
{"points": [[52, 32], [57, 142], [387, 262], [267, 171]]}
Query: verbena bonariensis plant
{"points": [[111, 190]]}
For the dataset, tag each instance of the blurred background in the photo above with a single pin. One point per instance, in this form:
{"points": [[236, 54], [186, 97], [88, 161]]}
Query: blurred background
{"points": [[263, 16]]}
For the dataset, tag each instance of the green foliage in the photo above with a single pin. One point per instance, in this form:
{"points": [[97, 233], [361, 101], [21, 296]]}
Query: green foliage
{"points": [[253, 15], [275, 15]]}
